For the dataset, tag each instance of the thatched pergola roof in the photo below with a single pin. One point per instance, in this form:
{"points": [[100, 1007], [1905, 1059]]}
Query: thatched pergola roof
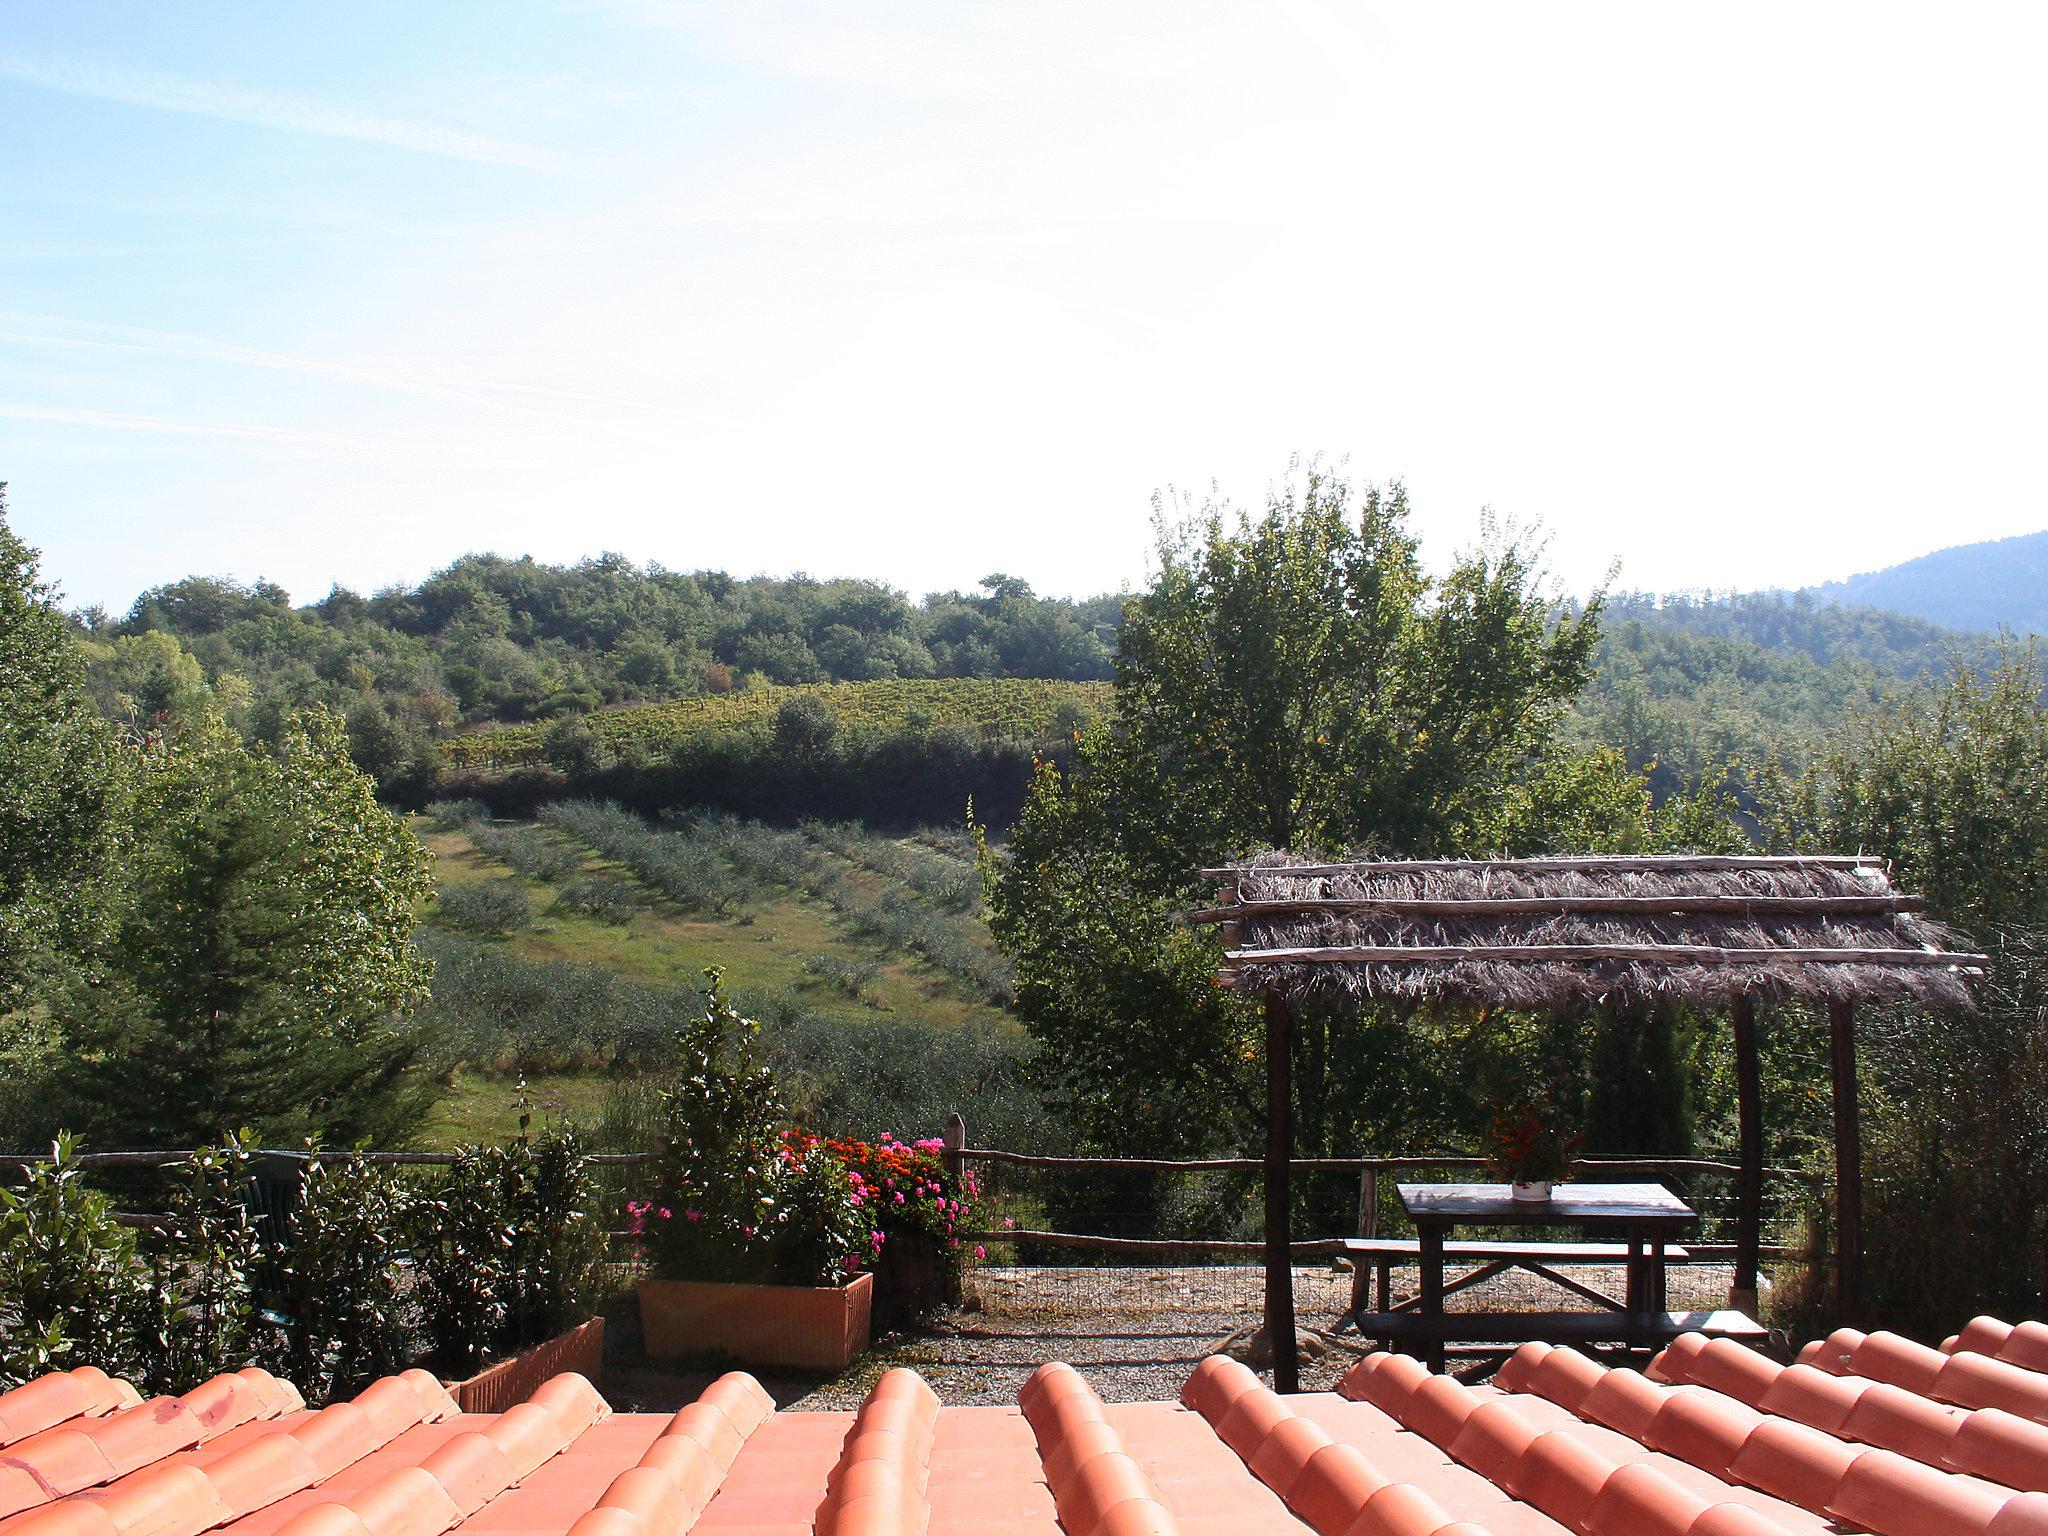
{"points": [[1567, 933], [1587, 932]]}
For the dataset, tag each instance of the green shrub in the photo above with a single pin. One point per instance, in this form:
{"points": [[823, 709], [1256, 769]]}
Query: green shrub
{"points": [[208, 1254], [73, 1288], [453, 815], [603, 897], [528, 850], [510, 1249], [485, 906], [734, 1198], [348, 1295]]}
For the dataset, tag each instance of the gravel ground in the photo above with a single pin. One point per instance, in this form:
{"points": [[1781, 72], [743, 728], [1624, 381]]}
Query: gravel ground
{"points": [[1135, 1333]]}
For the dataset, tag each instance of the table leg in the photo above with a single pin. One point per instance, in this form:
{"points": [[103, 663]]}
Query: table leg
{"points": [[1432, 1264], [1634, 1292], [1658, 1275]]}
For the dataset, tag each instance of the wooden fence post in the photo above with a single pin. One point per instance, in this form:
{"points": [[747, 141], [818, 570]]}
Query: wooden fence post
{"points": [[1369, 1202], [1848, 1164], [1749, 1186], [1279, 1152], [955, 1137]]}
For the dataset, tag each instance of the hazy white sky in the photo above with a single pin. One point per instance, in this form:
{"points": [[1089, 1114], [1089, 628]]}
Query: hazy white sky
{"points": [[1737, 296]]}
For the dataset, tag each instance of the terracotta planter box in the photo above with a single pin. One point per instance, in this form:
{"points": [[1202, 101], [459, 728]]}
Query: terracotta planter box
{"points": [[806, 1328], [517, 1377]]}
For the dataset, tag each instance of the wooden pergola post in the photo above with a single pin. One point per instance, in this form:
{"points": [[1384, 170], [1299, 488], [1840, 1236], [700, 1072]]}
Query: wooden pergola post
{"points": [[1749, 1188], [1279, 1154], [1848, 1163]]}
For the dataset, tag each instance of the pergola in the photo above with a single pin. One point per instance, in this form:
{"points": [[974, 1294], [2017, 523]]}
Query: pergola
{"points": [[1578, 934]]}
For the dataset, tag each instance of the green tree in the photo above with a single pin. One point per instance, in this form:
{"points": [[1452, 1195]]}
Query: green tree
{"points": [[1294, 679], [1952, 785], [262, 968], [62, 769]]}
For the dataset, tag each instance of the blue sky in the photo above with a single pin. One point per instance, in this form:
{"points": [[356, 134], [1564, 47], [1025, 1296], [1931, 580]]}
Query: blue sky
{"points": [[920, 292]]}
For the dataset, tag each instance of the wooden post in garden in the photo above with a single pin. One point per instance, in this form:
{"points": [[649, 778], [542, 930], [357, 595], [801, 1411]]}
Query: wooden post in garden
{"points": [[1279, 1152], [1369, 1201], [1749, 1189], [1848, 1164], [954, 1135]]}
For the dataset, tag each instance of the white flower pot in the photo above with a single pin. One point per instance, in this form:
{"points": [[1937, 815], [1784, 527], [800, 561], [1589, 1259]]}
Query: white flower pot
{"points": [[1534, 1190]]}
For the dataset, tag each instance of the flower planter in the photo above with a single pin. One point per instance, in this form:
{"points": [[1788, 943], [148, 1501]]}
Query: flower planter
{"points": [[1535, 1191], [910, 1281], [807, 1328], [517, 1377]]}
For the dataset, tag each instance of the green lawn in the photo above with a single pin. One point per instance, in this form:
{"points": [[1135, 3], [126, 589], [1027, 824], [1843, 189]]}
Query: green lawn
{"points": [[484, 1108]]}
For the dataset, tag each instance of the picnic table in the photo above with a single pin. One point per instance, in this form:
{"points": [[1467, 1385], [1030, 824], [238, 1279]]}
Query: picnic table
{"points": [[1646, 1217]]}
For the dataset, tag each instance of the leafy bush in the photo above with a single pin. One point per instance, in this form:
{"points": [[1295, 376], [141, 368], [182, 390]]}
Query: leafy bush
{"points": [[347, 1295], [528, 850], [604, 897], [453, 815], [204, 1318], [485, 906], [73, 1288], [735, 1198], [689, 872], [851, 977], [510, 1250]]}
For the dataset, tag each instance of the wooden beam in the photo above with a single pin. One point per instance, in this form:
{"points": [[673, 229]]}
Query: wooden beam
{"points": [[1644, 864], [1749, 1189], [1548, 954], [1279, 1151], [1540, 906], [1848, 1165]]}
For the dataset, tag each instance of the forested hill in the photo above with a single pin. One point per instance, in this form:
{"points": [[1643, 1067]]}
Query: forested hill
{"points": [[1687, 685], [491, 639], [1826, 633], [847, 694], [1998, 584]]}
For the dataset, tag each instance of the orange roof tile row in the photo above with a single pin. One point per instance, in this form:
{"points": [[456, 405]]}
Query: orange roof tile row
{"points": [[1866, 1433], [85, 1451]]}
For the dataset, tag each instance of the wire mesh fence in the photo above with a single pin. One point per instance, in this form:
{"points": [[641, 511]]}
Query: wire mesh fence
{"points": [[1117, 1239]]}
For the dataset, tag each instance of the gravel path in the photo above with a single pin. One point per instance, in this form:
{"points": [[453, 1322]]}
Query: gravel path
{"points": [[1135, 1333]]}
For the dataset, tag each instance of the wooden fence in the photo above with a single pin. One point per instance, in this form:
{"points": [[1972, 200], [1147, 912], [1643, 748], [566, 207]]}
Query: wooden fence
{"points": [[957, 1156]]}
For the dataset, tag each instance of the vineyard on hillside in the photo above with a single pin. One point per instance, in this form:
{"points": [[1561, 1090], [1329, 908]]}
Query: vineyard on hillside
{"points": [[1009, 709]]}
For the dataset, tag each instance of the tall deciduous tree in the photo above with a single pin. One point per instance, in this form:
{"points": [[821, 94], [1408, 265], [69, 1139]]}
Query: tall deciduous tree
{"points": [[1952, 785], [60, 784], [1294, 679], [262, 967]]}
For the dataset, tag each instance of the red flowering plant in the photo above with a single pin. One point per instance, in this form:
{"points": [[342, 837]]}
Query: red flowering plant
{"points": [[909, 1198], [1528, 1144], [736, 1197]]}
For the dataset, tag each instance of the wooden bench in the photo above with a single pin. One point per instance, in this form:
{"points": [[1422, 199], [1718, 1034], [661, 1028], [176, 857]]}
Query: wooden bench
{"points": [[1379, 1255]]}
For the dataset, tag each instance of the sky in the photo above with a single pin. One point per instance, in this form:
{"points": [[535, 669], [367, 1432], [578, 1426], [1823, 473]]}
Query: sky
{"points": [[1735, 296]]}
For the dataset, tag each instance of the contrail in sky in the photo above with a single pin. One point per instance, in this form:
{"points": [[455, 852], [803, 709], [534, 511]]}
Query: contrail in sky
{"points": [[125, 422], [270, 109], [177, 344]]}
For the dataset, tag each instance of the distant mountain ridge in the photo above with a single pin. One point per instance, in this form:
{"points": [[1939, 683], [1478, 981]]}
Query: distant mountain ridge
{"points": [[1997, 584]]}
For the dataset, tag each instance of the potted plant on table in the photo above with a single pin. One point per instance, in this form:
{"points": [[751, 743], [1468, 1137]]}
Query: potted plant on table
{"points": [[756, 1240], [1530, 1148]]}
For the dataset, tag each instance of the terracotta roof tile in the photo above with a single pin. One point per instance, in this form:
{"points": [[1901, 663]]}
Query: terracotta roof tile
{"points": [[1872, 1433]]}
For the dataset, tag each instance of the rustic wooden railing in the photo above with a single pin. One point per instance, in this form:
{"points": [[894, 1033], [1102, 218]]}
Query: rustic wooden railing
{"points": [[958, 1155]]}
